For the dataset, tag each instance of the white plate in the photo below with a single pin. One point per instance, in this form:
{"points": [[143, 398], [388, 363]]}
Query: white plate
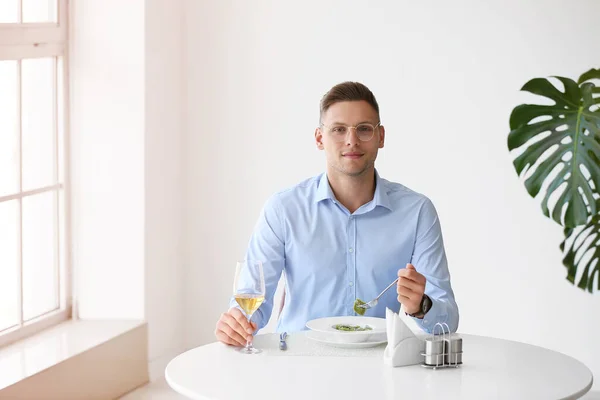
{"points": [[317, 336], [325, 326]]}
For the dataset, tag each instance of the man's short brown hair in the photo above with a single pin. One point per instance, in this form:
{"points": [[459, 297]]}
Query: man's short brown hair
{"points": [[348, 91]]}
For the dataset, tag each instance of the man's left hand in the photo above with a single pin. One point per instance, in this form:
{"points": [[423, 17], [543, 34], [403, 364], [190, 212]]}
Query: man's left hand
{"points": [[410, 288]]}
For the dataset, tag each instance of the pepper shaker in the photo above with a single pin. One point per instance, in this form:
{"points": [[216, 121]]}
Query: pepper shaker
{"points": [[453, 355]]}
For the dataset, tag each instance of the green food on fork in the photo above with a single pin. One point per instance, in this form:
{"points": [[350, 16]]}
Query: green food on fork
{"points": [[357, 309]]}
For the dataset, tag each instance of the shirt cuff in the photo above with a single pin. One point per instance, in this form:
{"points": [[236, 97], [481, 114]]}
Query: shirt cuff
{"points": [[435, 314]]}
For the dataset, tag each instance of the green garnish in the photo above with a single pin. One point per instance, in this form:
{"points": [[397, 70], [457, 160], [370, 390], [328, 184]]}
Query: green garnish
{"points": [[357, 309], [351, 328]]}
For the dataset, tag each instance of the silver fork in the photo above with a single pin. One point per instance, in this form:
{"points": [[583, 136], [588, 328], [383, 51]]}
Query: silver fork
{"points": [[374, 302]]}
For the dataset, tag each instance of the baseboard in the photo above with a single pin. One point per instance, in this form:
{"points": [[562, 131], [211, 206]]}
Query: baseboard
{"points": [[157, 366], [106, 371]]}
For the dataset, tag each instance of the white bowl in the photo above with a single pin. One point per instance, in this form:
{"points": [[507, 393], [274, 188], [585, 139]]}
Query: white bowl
{"points": [[325, 326], [324, 339]]}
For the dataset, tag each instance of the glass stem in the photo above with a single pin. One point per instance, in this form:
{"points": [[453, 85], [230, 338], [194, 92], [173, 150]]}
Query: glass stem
{"points": [[249, 342]]}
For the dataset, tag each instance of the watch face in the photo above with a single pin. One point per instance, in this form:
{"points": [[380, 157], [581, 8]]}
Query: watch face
{"points": [[426, 304]]}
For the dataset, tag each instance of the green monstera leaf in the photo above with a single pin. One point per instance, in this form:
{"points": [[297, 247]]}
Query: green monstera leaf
{"points": [[588, 77], [583, 251], [561, 145]]}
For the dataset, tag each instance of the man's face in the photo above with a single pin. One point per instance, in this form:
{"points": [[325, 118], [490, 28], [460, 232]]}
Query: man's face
{"points": [[347, 154]]}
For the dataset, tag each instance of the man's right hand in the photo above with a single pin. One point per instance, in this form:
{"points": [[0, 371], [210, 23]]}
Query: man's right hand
{"points": [[234, 329]]}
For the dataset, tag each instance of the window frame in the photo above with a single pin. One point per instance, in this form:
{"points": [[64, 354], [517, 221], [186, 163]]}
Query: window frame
{"points": [[20, 41]]}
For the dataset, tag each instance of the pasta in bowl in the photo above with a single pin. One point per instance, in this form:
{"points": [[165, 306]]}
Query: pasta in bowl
{"points": [[349, 329]]}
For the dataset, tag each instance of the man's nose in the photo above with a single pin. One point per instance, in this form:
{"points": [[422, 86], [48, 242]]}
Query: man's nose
{"points": [[351, 136]]}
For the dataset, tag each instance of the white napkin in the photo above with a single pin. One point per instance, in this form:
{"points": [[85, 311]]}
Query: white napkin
{"points": [[406, 340]]}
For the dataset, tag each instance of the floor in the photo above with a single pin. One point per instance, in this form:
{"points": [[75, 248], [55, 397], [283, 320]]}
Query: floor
{"points": [[158, 390]]}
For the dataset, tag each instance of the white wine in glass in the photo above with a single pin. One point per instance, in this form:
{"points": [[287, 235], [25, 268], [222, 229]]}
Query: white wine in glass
{"points": [[249, 292], [249, 302]]}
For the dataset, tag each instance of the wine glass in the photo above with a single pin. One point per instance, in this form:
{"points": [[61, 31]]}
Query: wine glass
{"points": [[249, 292]]}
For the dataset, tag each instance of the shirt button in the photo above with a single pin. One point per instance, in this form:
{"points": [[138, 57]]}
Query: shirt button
{"points": [[351, 284], [351, 217], [350, 249]]}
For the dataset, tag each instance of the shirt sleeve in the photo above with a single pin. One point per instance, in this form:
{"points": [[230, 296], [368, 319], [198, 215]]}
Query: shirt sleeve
{"points": [[429, 259], [267, 245]]}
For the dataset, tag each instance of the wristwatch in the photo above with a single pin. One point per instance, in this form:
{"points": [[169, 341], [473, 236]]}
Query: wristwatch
{"points": [[424, 308]]}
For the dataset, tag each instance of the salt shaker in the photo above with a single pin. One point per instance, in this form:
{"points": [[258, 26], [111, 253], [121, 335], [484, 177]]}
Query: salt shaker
{"points": [[434, 351], [453, 354]]}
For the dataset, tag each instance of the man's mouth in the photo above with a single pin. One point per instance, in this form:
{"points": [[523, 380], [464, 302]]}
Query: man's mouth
{"points": [[352, 155]]}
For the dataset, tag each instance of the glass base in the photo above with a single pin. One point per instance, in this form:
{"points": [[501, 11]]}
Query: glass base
{"points": [[250, 350]]}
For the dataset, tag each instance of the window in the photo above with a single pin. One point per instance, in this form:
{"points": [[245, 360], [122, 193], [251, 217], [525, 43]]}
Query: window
{"points": [[34, 185]]}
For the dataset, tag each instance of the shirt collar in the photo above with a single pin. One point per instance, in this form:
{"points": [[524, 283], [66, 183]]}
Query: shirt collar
{"points": [[380, 197], [324, 190]]}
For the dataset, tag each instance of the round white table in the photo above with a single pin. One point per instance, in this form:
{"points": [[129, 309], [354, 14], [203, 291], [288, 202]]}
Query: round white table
{"points": [[491, 369]]}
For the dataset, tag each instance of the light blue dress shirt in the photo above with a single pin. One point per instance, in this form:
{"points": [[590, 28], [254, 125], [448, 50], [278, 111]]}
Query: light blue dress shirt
{"points": [[332, 257]]}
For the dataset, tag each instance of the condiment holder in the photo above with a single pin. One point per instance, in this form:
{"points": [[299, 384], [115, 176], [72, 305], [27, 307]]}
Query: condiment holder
{"points": [[442, 351]]}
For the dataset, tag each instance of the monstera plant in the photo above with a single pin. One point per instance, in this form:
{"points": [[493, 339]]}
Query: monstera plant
{"points": [[557, 152]]}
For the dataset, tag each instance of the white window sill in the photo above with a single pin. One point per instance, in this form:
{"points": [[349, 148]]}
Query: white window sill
{"points": [[50, 347]]}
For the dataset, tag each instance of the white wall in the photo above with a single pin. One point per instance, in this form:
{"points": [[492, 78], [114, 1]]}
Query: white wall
{"points": [[164, 98], [107, 149], [127, 113], [447, 75]]}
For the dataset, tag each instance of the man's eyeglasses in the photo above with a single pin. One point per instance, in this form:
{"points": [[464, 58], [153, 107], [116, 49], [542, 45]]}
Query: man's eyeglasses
{"points": [[339, 133]]}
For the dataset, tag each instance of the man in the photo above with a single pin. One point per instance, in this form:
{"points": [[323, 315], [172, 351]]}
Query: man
{"points": [[347, 234]]}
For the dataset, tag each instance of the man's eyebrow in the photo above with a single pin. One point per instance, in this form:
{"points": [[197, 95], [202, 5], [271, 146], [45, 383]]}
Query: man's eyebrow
{"points": [[343, 123]]}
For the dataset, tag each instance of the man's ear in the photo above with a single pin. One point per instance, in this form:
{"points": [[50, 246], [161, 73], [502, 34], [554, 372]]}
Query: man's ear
{"points": [[319, 139], [381, 136]]}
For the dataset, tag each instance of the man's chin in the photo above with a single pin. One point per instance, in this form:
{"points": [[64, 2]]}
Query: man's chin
{"points": [[352, 170], [355, 172]]}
